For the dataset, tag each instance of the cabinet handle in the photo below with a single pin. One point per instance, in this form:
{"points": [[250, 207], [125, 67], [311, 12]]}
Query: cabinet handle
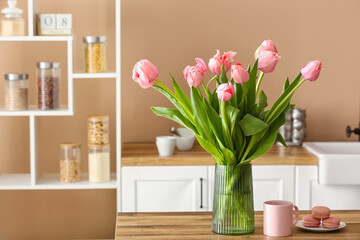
{"points": [[201, 193]]}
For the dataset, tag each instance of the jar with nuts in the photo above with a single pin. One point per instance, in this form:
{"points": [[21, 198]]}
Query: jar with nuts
{"points": [[98, 130], [48, 74], [70, 162], [95, 52]]}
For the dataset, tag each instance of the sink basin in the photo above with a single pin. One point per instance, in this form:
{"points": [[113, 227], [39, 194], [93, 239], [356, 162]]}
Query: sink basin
{"points": [[339, 162]]}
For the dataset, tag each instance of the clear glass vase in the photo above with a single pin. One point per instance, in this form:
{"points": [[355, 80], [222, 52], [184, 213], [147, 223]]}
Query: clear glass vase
{"points": [[233, 207]]}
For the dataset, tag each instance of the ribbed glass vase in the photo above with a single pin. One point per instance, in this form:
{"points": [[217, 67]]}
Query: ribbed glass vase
{"points": [[233, 206]]}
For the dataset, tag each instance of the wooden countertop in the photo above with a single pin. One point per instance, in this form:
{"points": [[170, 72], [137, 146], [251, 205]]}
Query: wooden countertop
{"points": [[145, 154], [197, 225]]}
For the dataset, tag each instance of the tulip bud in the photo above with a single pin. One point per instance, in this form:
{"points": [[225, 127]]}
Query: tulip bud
{"points": [[217, 61], [311, 70], [239, 73], [268, 61], [144, 73], [225, 91], [194, 75], [266, 45]]}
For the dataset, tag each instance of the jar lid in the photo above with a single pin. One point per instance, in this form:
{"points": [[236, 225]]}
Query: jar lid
{"points": [[16, 76], [47, 65], [98, 117], [12, 9], [94, 39], [70, 144]]}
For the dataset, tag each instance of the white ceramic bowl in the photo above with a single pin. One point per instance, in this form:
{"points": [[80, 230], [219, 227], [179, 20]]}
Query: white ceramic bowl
{"points": [[187, 139], [165, 145]]}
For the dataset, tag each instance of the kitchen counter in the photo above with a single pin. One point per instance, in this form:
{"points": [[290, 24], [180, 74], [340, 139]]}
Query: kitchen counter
{"points": [[197, 225], [145, 154]]}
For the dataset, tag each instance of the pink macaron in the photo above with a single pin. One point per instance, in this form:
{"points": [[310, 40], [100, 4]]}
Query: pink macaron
{"points": [[331, 222], [320, 212], [310, 221]]}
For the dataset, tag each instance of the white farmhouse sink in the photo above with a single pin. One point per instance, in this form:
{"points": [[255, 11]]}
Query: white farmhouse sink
{"points": [[339, 162]]}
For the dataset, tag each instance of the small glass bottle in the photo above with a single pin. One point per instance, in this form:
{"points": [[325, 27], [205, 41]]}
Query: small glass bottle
{"points": [[48, 78], [98, 130], [95, 52], [16, 91], [99, 163], [12, 23], [70, 162]]}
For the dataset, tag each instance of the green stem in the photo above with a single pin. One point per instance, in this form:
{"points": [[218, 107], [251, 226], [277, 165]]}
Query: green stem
{"points": [[258, 84], [223, 114], [214, 77], [284, 100]]}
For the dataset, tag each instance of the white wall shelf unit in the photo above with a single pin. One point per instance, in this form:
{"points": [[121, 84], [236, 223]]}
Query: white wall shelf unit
{"points": [[94, 75], [50, 181]]}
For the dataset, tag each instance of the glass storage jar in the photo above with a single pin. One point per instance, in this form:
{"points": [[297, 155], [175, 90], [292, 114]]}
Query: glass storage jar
{"points": [[16, 91], [98, 130], [95, 52], [70, 162], [48, 78], [99, 163], [12, 23]]}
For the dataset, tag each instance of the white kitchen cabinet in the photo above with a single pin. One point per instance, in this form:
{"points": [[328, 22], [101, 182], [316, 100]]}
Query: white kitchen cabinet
{"points": [[164, 189], [269, 182], [310, 193]]}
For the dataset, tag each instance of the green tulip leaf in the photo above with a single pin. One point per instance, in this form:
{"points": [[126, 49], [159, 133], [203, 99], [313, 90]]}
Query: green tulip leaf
{"points": [[252, 125]]}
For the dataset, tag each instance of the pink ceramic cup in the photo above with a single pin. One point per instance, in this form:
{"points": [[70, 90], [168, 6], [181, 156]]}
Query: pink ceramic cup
{"points": [[278, 218]]}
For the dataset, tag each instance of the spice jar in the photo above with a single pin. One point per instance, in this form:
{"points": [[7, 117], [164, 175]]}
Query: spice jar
{"points": [[12, 23], [48, 78], [95, 52], [16, 91], [98, 130], [70, 162], [99, 163]]}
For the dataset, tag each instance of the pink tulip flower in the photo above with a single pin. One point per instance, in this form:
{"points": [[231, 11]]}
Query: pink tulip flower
{"points": [[194, 75], [268, 61], [311, 70], [266, 45], [225, 91], [239, 73], [217, 61], [144, 73]]}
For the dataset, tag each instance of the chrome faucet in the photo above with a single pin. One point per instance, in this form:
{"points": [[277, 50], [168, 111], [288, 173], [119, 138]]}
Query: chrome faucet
{"points": [[355, 131]]}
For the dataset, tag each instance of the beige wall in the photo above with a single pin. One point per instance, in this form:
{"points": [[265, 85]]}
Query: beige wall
{"points": [[170, 33]]}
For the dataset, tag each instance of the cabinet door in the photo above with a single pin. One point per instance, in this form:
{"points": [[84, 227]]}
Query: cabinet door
{"points": [[164, 189], [270, 182], [310, 193]]}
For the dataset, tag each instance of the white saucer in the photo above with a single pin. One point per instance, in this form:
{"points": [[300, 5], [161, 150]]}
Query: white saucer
{"points": [[319, 229]]}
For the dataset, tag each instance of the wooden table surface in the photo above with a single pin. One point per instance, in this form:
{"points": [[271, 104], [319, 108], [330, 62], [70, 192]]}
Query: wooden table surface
{"points": [[145, 154], [197, 225]]}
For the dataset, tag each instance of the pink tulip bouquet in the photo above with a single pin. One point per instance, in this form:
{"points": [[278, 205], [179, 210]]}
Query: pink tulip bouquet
{"points": [[231, 122]]}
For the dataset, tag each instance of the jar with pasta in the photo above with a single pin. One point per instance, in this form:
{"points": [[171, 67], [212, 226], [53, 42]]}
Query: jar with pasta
{"points": [[16, 91], [99, 163], [70, 162], [95, 52], [98, 130]]}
